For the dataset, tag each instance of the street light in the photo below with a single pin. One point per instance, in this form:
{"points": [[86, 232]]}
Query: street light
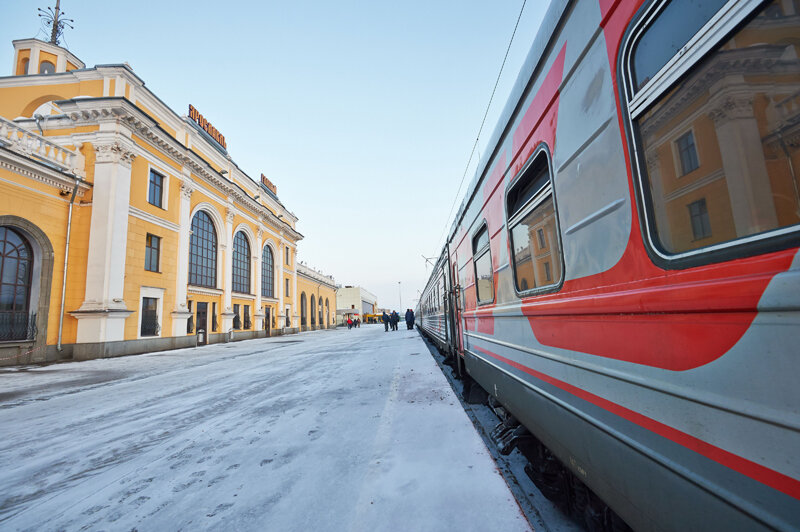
{"points": [[400, 292]]}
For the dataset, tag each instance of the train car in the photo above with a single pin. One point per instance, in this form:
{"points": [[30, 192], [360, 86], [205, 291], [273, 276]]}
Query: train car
{"points": [[433, 311], [623, 274]]}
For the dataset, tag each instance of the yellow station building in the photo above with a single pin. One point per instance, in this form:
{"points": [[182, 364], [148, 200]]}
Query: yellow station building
{"points": [[126, 227]]}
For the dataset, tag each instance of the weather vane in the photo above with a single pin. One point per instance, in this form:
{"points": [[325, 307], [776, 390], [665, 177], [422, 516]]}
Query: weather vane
{"points": [[53, 19]]}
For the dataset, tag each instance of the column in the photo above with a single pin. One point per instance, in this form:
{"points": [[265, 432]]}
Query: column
{"points": [[295, 300], [227, 279], [101, 317], [743, 162], [258, 312], [181, 312], [280, 282]]}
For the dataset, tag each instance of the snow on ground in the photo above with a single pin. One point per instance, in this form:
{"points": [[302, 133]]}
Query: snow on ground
{"points": [[330, 430]]}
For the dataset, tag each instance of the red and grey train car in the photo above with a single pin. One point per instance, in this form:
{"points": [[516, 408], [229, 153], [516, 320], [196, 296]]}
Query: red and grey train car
{"points": [[623, 275]]}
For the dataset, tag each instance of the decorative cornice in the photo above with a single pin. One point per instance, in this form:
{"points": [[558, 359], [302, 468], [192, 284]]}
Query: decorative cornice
{"points": [[725, 65], [38, 171]]}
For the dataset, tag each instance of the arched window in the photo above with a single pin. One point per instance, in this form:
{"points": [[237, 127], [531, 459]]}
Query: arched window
{"points": [[267, 273], [16, 262], [327, 313], [203, 252], [319, 312], [303, 308], [46, 67], [241, 264], [313, 310]]}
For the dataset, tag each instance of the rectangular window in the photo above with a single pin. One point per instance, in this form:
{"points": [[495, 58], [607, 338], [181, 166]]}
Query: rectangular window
{"points": [[151, 252], [287, 255], [237, 320], [156, 189], [286, 292], [150, 325], [531, 211], [688, 153], [247, 324], [701, 226], [484, 282], [213, 317], [749, 182]]}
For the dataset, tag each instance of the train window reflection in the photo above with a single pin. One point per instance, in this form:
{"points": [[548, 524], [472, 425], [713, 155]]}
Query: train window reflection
{"points": [[484, 281], [670, 31], [532, 222], [734, 175]]}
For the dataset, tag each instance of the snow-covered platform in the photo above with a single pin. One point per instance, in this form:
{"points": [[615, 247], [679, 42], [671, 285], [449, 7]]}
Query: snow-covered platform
{"points": [[328, 430]]}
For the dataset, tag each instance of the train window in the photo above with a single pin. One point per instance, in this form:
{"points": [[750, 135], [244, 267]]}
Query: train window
{"points": [[484, 281], [714, 100], [533, 228]]}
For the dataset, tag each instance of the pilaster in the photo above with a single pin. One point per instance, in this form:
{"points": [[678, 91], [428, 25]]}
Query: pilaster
{"points": [[101, 317], [258, 313], [181, 311], [743, 162], [227, 274]]}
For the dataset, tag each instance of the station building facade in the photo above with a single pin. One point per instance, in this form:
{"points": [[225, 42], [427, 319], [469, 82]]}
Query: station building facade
{"points": [[126, 227]]}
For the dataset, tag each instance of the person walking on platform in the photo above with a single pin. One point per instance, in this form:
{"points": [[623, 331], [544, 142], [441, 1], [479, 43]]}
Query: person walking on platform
{"points": [[385, 318], [395, 318], [409, 319]]}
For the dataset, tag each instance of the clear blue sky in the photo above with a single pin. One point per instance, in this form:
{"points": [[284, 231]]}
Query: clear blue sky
{"points": [[362, 113]]}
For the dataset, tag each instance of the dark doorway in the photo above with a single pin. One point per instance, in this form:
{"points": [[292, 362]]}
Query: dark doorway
{"points": [[267, 319], [202, 323]]}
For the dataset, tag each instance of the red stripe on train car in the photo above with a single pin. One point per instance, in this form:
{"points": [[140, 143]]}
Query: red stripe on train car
{"points": [[757, 472]]}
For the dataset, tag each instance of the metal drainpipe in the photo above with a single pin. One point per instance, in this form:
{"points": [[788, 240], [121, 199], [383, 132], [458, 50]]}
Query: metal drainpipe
{"points": [[66, 261]]}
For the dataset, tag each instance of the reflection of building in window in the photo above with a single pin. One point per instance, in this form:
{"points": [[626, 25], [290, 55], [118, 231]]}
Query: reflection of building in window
{"points": [[532, 218], [741, 107], [483, 268], [698, 212], [687, 153]]}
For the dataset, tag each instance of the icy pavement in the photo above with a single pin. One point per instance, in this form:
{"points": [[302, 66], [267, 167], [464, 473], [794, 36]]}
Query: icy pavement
{"points": [[327, 430]]}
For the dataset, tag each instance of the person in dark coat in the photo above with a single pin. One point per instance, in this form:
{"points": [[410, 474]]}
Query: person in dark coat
{"points": [[385, 318], [409, 319], [395, 318]]}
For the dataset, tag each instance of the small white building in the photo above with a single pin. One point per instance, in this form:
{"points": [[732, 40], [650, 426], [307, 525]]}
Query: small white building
{"points": [[355, 299]]}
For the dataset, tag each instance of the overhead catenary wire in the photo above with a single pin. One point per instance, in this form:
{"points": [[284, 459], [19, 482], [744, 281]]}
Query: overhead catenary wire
{"points": [[483, 122]]}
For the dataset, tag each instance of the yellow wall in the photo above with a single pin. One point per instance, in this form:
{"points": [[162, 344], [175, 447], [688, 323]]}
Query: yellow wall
{"points": [[41, 205], [320, 291], [23, 101], [23, 55]]}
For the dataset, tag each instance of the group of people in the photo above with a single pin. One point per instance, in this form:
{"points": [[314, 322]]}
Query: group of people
{"points": [[353, 322], [391, 320]]}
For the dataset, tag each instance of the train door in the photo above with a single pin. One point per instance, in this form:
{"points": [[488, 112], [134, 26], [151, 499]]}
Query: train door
{"points": [[202, 323], [458, 313]]}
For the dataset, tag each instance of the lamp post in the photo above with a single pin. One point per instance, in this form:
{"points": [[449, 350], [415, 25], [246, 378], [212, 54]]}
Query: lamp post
{"points": [[400, 293]]}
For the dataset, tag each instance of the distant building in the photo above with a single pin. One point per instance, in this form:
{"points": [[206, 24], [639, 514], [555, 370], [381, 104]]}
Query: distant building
{"points": [[317, 298], [356, 299]]}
